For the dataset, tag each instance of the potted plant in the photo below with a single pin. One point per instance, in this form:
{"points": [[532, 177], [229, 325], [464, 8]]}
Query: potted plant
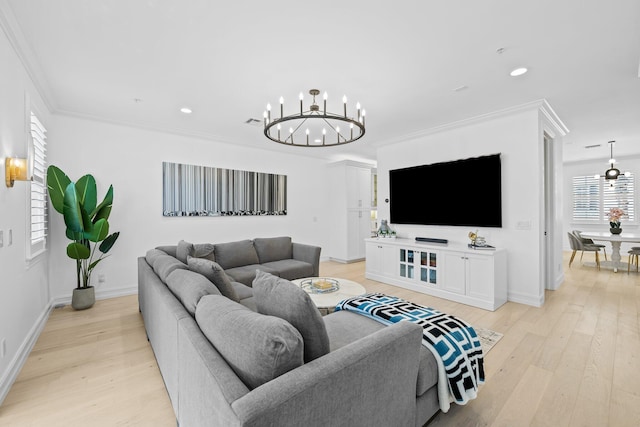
{"points": [[87, 227], [614, 220]]}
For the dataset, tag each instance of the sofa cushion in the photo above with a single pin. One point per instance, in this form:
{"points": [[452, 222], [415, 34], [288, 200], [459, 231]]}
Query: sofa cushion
{"points": [[291, 269], [344, 327], [169, 249], [189, 287], [163, 265], [273, 248], [247, 273], [184, 250], [152, 255], [250, 303], [243, 291], [279, 297], [216, 275], [236, 254], [204, 250], [258, 348]]}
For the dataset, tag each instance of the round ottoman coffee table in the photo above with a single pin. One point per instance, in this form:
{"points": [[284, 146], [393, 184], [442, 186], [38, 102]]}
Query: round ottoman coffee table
{"points": [[326, 299]]}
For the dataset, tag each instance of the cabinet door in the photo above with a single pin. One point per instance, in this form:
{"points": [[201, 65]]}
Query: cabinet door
{"points": [[428, 268], [480, 274], [406, 263], [454, 279], [375, 258], [358, 187]]}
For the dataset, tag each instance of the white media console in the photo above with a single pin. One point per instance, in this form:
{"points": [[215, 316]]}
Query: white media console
{"points": [[476, 277]]}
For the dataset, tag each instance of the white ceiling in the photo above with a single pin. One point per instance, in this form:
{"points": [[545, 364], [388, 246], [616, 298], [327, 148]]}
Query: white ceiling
{"points": [[401, 60]]}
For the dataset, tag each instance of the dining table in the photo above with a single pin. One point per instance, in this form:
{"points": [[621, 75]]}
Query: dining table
{"points": [[616, 241]]}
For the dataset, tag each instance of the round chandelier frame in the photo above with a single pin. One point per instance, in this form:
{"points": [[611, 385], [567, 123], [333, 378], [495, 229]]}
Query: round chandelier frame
{"points": [[327, 131]]}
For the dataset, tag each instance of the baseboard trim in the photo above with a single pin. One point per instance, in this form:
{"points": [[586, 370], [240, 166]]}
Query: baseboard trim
{"points": [[11, 374], [100, 294], [535, 301]]}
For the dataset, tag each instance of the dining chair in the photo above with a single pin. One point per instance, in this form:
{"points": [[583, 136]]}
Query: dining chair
{"points": [[577, 245], [633, 258], [586, 241]]}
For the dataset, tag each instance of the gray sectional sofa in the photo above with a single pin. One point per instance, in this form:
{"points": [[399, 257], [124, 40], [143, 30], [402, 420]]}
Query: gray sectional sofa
{"points": [[235, 355]]}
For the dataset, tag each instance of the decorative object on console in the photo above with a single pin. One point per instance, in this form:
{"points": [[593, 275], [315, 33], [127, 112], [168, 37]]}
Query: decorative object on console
{"points": [[477, 241], [385, 231], [614, 220], [190, 190], [612, 174], [314, 127], [87, 223]]}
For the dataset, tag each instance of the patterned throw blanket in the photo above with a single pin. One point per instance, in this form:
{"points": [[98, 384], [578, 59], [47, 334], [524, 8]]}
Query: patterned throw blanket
{"points": [[454, 344]]}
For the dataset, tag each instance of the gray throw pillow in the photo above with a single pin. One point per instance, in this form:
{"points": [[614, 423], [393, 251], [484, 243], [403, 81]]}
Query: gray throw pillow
{"points": [[189, 286], [216, 275], [258, 348], [278, 297], [204, 250], [184, 250], [152, 255]]}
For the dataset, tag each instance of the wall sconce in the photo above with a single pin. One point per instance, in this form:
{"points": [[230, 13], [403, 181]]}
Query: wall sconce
{"points": [[16, 170]]}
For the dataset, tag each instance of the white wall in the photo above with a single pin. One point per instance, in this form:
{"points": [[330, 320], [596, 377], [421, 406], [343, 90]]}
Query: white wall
{"points": [[24, 299], [131, 159], [592, 167], [517, 137]]}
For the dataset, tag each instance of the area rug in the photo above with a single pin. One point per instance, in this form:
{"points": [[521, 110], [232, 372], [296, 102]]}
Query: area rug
{"points": [[488, 338]]}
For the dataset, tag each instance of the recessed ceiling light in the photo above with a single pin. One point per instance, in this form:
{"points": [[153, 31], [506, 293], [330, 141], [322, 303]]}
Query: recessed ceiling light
{"points": [[186, 110], [518, 72]]}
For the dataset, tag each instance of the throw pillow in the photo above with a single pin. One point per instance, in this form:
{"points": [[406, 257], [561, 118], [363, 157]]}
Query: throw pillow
{"points": [[204, 250], [184, 250], [258, 348], [189, 286], [278, 297], [216, 275]]}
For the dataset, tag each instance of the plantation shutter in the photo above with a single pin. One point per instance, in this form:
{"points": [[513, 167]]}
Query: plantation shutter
{"points": [[38, 234], [586, 198], [620, 195]]}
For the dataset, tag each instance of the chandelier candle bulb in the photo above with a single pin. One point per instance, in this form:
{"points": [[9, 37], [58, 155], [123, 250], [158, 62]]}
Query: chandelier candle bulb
{"points": [[301, 98], [324, 134], [278, 130], [363, 114], [344, 101], [281, 107], [307, 132], [269, 112], [358, 108]]}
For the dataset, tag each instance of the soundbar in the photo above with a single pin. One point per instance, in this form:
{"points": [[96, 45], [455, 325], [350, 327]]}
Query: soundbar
{"points": [[431, 240]]}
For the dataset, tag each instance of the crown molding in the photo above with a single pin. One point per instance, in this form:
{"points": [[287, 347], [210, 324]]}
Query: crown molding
{"points": [[540, 104], [553, 118], [147, 126], [12, 30]]}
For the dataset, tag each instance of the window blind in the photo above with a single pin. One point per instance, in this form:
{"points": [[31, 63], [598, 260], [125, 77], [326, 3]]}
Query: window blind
{"points": [[38, 209], [586, 198], [593, 197]]}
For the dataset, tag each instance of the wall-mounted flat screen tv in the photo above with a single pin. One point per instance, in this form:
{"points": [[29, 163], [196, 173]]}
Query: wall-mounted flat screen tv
{"points": [[465, 192]]}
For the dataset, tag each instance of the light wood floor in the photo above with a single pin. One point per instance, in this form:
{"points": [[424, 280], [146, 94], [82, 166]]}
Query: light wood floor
{"points": [[573, 362]]}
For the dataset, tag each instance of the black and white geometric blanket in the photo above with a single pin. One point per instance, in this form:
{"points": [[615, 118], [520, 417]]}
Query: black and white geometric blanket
{"points": [[454, 343]]}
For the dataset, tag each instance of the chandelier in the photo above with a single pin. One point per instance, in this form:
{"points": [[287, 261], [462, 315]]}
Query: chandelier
{"points": [[612, 174], [315, 127]]}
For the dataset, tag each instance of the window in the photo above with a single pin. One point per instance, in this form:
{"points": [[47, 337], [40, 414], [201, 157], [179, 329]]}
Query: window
{"points": [[38, 199], [593, 197]]}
